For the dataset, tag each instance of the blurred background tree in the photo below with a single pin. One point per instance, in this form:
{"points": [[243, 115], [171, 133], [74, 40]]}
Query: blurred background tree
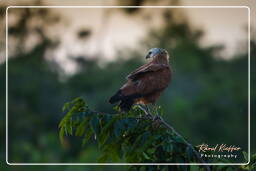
{"points": [[206, 102]]}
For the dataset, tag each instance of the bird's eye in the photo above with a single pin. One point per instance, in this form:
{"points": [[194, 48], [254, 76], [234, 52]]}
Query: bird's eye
{"points": [[150, 53]]}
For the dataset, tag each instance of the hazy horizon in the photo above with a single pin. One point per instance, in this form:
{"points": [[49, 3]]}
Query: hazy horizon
{"points": [[221, 26]]}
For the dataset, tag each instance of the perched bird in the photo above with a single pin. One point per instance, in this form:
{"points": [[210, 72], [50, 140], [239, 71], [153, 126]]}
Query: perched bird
{"points": [[145, 84]]}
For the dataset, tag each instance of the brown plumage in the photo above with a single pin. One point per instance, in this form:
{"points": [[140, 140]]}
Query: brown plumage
{"points": [[145, 84]]}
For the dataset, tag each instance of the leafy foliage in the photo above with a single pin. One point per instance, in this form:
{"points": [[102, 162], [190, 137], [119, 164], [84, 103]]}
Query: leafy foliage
{"points": [[130, 137]]}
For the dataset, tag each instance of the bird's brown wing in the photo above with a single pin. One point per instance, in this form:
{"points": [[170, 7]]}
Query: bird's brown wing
{"points": [[150, 67], [146, 80]]}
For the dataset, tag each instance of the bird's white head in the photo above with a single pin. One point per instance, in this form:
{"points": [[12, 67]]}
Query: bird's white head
{"points": [[155, 52]]}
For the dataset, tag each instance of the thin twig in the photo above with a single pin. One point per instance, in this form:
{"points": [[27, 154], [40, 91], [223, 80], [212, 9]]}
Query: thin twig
{"points": [[149, 115]]}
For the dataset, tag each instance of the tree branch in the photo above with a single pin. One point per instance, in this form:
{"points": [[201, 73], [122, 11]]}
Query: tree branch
{"points": [[188, 144], [175, 132]]}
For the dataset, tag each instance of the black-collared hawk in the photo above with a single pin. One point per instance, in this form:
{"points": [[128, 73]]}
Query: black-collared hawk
{"points": [[146, 83]]}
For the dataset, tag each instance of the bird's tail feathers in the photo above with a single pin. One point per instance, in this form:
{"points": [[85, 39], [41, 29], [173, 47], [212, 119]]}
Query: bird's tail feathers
{"points": [[126, 105], [117, 97], [126, 101]]}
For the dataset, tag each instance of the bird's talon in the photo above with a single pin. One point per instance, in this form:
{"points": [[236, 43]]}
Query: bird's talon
{"points": [[157, 118], [148, 116]]}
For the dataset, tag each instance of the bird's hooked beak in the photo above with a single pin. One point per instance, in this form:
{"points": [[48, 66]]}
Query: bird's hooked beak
{"points": [[148, 56]]}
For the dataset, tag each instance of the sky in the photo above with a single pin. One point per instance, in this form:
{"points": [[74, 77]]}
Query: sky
{"points": [[224, 26], [221, 26]]}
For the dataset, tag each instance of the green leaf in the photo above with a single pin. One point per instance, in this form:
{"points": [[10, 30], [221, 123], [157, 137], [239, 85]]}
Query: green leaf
{"points": [[108, 125], [66, 106], [78, 101], [178, 139], [118, 128], [103, 138], [146, 156], [81, 127], [245, 155], [62, 135], [139, 144], [168, 147], [63, 122], [190, 153], [103, 158], [87, 136], [70, 129], [160, 110], [94, 122], [116, 108], [114, 155], [131, 123], [105, 119]]}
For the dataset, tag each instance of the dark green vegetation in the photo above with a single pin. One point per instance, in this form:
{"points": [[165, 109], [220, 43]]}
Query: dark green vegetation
{"points": [[206, 102], [133, 137]]}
